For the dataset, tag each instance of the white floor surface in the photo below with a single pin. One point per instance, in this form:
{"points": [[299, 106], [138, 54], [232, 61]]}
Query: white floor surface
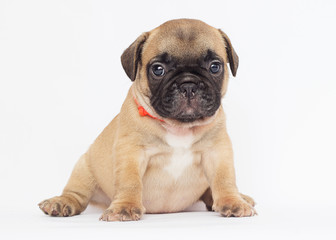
{"points": [[286, 222]]}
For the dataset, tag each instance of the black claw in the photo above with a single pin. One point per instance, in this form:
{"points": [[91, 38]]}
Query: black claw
{"points": [[235, 210], [125, 213], [56, 209], [67, 211], [137, 211], [54, 213], [224, 209]]}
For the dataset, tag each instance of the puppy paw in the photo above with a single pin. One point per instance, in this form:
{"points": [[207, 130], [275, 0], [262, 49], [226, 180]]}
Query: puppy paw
{"points": [[58, 207], [127, 212], [234, 206]]}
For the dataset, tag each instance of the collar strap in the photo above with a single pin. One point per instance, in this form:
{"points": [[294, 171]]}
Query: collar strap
{"points": [[143, 112]]}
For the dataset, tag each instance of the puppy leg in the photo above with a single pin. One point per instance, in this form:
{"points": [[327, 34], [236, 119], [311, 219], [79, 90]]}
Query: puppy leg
{"points": [[76, 194], [208, 200], [219, 169], [127, 197]]}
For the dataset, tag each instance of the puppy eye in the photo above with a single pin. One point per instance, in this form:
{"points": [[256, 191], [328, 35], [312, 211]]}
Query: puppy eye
{"points": [[215, 67], [158, 70]]}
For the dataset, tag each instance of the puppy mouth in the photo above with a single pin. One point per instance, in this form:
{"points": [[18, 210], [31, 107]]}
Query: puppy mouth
{"points": [[188, 108], [187, 101]]}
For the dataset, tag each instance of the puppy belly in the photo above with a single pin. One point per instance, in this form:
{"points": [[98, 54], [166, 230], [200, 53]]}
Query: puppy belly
{"points": [[163, 192]]}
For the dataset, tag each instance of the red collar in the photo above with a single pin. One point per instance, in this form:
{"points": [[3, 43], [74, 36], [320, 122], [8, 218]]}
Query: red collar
{"points": [[143, 112]]}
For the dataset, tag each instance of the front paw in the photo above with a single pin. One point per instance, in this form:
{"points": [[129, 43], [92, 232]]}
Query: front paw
{"points": [[123, 212], [59, 207], [234, 206]]}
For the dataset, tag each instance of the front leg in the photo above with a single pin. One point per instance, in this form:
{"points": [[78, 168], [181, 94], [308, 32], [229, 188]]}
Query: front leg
{"points": [[219, 169], [127, 200]]}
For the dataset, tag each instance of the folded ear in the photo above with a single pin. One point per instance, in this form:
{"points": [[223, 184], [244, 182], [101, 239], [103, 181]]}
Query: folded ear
{"points": [[131, 57], [232, 55]]}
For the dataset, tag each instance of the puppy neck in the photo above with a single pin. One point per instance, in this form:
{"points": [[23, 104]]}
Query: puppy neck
{"points": [[181, 129], [141, 109]]}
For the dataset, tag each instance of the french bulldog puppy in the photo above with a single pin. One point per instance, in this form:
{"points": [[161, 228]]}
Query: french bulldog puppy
{"points": [[168, 147]]}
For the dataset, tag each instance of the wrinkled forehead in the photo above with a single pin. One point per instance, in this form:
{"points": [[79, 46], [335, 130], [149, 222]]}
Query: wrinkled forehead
{"points": [[183, 42]]}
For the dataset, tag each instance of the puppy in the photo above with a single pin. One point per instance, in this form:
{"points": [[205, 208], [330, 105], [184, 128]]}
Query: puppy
{"points": [[168, 147]]}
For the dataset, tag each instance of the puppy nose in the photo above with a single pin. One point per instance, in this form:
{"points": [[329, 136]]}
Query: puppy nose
{"points": [[188, 89]]}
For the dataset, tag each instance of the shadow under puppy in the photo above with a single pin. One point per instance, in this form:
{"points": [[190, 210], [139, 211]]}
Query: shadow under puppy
{"points": [[168, 147]]}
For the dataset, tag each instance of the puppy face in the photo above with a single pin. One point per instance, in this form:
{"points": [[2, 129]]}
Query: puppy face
{"points": [[181, 67], [185, 88]]}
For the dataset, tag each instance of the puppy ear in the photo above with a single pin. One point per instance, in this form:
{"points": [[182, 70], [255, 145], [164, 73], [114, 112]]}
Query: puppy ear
{"points": [[232, 55], [131, 57]]}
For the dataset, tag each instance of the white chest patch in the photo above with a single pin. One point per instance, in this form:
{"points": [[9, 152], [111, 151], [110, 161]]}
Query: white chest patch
{"points": [[182, 157]]}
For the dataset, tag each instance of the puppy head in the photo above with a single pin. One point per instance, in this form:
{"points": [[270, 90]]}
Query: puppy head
{"points": [[181, 67]]}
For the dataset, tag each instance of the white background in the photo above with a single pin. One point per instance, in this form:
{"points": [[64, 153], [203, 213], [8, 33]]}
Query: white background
{"points": [[61, 83]]}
